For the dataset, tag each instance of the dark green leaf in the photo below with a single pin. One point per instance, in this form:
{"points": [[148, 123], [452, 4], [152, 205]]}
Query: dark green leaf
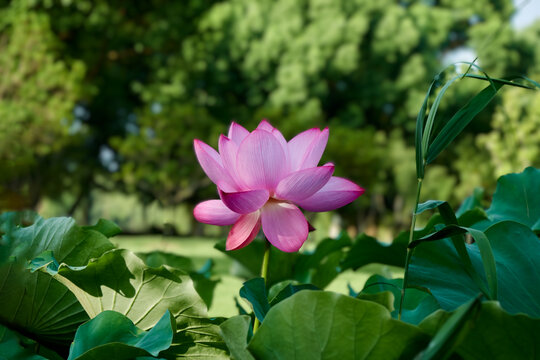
{"points": [[236, 332], [486, 253], [366, 250], [452, 332], [322, 265], [420, 131], [472, 217], [495, 334], [254, 291], [280, 263], [517, 198], [317, 324], [112, 335], [426, 136], [197, 338], [11, 347], [472, 202], [106, 227], [282, 291], [436, 266], [417, 304], [158, 258], [460, 120], [385, 298]]}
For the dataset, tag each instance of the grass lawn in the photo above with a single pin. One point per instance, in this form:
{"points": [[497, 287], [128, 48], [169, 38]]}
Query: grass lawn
{"points": [[202, 249]]}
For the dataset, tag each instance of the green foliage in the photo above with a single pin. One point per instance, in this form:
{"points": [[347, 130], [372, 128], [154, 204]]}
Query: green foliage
{"points": [[450, 283], [46, 310], [75, 268], [452, 331], [367, 250], [311, 323], [417, 304], [97, 290], [12, 347], [254, 291], [517, 199], [59, 274], [38, 92], [492, 333], [112, 333]]}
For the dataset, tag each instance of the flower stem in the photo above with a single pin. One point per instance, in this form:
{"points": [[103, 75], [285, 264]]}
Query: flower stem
{"points": [[264, 275], [409, 251]]}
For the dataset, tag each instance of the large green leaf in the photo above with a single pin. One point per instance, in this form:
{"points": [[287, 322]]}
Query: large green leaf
{"points": [[34, 303], [112, 335], [198, 338], [517, 198], [494, 334], [366, 250], [486, 253], [317, 324], [236, 331], [121, 281], [202, 278], [436, 266]]}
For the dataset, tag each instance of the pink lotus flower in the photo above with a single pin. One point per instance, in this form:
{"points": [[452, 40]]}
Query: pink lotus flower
{"points": [[260, 177]]}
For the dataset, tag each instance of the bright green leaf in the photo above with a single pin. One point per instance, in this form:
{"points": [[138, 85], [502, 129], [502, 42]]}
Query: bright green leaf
{"points": [[120, 281]]}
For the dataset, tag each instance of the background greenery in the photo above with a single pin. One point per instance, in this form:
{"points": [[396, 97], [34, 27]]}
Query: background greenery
{"points": [[100, 100]]}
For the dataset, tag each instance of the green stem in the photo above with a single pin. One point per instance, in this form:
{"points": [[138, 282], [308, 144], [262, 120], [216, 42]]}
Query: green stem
{"points": [[264, 275], [409, 251]]}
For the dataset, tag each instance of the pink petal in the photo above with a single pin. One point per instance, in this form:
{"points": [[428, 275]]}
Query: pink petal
{"points": [[284, 225], [245, 202], [279, 136], [336, 193], [237, 133], [301, 146], [260, 160], [265, 125], [243, 231], [213, 167], [317, 149], [228, 150], [214, 212], [302, 184]]}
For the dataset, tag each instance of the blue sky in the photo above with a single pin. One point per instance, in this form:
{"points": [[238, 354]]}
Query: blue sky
{"points": [[528, 12]]}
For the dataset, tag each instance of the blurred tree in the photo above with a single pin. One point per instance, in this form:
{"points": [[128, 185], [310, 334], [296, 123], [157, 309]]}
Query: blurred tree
{"points": [[361, 67], [160, 73], [38, 92]]}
